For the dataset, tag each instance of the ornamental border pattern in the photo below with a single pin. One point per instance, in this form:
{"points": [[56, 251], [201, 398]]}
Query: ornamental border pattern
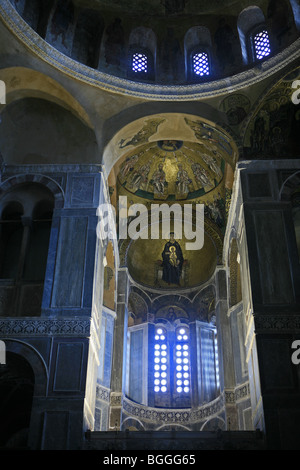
{"points": [[241, 392], [44, 327], [15, 23], [102, 393], [171, 416], [277, 322]]}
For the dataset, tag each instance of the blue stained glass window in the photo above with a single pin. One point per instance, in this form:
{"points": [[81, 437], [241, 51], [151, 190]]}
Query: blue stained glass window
{"points": [[261, 45], [201, 64], [139, 62], [160, 361], [182, 360]]}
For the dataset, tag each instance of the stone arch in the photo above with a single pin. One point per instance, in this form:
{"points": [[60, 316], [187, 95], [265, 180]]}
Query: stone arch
{"points": [[22, 82], [23, 379], [43, 180], [173, 427], [213, 424], [35, 360], [132, 424]]}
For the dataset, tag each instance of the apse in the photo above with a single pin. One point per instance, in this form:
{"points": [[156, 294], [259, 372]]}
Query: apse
{"points": [[157, 170]]}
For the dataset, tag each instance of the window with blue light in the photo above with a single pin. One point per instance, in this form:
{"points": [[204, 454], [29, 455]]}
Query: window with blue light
{"points": [[160, 361], [182, 361], [139, 62], [172, 362], [261, 44], [200, 64]]}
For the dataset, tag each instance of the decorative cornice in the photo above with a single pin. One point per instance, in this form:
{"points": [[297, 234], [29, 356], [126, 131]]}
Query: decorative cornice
{"points": [[173, 416], [74, 69], [44, 327]]}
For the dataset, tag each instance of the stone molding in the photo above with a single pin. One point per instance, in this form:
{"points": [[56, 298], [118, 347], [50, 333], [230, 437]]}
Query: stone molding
{"points": [[239, 393], [15, 23], [173, 415]]}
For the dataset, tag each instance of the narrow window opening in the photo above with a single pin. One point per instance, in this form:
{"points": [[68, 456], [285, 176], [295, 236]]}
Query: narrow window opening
{"points": [[200, 64], [182, 352], [160, 361], [261, 45], [139, 62]]}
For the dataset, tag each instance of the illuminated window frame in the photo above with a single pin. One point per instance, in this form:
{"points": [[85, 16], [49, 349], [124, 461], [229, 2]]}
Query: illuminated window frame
{"points": [[182, 361], [140, 64], [261, 44], [179, 374], [161, 361], [200, 64]]}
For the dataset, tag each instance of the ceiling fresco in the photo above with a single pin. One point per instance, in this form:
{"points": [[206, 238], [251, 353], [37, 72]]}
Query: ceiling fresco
{"points": [[195, 168], [171, 170]]}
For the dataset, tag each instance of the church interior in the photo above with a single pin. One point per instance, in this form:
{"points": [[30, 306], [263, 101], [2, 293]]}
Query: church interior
{"points": [[137, 342]]}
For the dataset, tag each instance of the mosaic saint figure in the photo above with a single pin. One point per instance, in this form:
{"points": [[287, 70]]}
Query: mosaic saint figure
{"points": [[159, 179], [172, 261]]}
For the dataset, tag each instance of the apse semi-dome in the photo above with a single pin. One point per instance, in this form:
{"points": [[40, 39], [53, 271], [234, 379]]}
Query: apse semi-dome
{"points": [[155, 169]]}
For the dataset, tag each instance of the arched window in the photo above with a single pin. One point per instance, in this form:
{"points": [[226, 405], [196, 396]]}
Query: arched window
{"points": [[161, 361], [197, 45], [200, 64], [261, 44], [254, 35], [142, 52], [182, 360], [139, 62]]}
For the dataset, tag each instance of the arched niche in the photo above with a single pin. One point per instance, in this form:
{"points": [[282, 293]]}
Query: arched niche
{"points": [[142, 54], [143, 37], [87, 37], [197, 38], [248, 19]]}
